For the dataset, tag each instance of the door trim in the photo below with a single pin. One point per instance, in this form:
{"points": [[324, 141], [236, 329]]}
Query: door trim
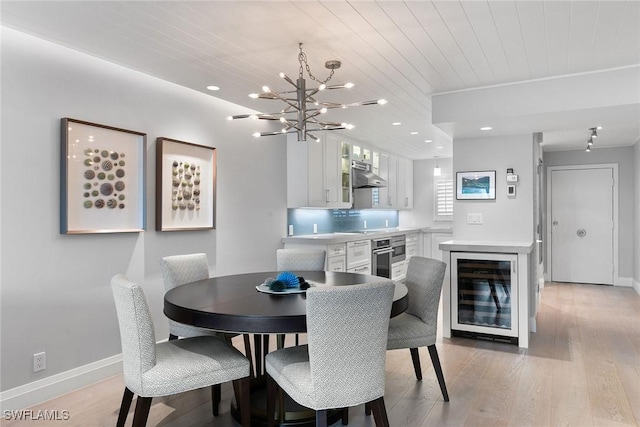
{"points": [[614, 167]]}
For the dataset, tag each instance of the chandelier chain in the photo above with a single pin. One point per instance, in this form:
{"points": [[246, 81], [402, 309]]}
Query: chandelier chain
{"points": [[302, 58]]}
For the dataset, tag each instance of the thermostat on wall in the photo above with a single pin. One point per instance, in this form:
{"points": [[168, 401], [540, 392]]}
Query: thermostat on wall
{"points": [[512, 177]]}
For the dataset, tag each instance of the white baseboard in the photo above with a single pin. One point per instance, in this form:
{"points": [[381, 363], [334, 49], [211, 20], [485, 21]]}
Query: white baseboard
{"points": [[623, 281], [636, 286], [31, 394]]}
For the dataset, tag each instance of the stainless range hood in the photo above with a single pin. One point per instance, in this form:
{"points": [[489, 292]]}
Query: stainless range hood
{"points": [[363, 177]]}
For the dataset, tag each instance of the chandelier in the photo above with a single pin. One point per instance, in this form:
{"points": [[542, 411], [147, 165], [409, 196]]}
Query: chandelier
{"points": [[302, 113]]}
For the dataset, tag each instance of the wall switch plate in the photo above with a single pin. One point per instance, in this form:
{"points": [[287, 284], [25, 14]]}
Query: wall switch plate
{"points": [[39, 362], [511, 191], [290, 230], [315, 228], [365, 223], [474, 218]]}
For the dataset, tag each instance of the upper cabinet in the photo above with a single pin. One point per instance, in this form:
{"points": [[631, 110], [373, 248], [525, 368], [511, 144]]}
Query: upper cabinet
{"points": [[319, 173], [405, 184]]}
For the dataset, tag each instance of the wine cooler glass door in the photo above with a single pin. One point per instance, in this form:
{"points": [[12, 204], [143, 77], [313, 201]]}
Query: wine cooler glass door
{"points": [[485, 293]]}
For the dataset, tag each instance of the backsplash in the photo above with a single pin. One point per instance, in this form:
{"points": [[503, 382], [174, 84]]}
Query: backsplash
{"points": [[338, 220]]}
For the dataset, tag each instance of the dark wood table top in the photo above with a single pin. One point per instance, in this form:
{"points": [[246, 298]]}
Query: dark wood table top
{"points": [[233, 304]]}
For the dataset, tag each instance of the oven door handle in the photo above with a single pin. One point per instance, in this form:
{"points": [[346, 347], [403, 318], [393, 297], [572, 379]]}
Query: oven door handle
{"points": [[382, 251]]}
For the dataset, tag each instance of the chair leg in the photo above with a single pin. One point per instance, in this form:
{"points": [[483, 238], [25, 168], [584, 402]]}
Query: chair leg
{"points": [[367, 409], [143, 405], [243, 386], [247, 352], [321, 418], [216, 396], [416, 363], [380, 412], [272, 392], [127, 397], [345, 416], [433, 352]]}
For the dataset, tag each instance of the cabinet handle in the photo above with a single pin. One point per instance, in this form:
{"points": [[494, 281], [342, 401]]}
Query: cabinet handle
{"points": [[326, 197]]}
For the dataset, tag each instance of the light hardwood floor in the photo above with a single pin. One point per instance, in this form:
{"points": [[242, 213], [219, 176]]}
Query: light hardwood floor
{"points": [[582, 369]]}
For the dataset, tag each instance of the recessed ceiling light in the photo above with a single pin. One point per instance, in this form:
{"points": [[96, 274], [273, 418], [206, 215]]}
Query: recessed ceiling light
{"points": [[486, 128], [439, 147], [428, 140], [212, 87], [414, 133], [396, 123]]}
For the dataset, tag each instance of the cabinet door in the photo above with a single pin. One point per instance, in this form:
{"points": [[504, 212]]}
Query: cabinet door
{"points": [[436, 239], [383, 172], [405, 184], [392, 184], [329, 173], [337, 263], [315, 161]]}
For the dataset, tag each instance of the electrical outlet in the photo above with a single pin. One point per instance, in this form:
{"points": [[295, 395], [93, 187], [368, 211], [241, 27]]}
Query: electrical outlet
{"points": [[39, 362]]}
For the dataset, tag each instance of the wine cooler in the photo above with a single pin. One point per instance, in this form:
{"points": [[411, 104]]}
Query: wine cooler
{"points": [[484, 295]]}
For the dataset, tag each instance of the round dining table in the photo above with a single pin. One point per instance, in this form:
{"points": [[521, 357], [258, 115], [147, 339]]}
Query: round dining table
{"points": [[233, 304]]}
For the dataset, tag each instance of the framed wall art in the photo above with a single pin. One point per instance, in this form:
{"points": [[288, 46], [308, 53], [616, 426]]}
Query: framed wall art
{"points": [[185, 186], [476, 185], [102, 179]]}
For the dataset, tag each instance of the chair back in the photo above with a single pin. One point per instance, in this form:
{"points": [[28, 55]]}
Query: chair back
{"points": [[180, 269], [301, 259], [347, 328], [136, 331], [424, 283]]}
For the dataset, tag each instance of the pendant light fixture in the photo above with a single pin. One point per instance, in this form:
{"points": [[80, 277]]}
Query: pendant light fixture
{"points": [[437, 171], [302, 112]]}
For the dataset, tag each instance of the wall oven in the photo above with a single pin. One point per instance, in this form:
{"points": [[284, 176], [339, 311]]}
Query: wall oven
{"points": [[381, 253], [385, 252]]}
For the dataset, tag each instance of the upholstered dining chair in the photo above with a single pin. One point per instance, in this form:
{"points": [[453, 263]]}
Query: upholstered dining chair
{"points": [[153, 370], [417, 326], [343, 363], [178, 270], [301, 259]]}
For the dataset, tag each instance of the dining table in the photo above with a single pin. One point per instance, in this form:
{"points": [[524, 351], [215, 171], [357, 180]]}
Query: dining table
{"points": [[244, 304]]}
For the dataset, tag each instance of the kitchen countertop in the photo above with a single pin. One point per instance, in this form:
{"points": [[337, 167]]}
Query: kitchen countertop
{"points": [[351, 236], [486, 246]]}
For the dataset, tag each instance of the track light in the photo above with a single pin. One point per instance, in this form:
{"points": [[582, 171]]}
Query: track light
{"points": [[594, 132]]}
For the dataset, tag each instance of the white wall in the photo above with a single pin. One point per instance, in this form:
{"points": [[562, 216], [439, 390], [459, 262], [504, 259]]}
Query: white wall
{"points": [[504, 219], [624, 157], [636, 218], [55, 294], [423, 203]]}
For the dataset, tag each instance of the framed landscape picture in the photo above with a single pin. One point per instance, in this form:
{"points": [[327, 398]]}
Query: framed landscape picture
{"points": [[476, 185], [102, 179], [185, 186]]}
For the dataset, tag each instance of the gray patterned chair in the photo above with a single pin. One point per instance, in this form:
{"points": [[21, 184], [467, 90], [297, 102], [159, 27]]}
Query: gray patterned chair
{"points": [[343, 363], [153, 370], [178, 270], [417, 326], [300, 259]]}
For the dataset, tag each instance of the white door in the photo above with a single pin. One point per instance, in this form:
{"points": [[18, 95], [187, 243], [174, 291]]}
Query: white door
{"points": [[582, 225]]}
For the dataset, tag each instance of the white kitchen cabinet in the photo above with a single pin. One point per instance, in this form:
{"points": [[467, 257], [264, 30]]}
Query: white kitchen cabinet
{"points": [[359, 256], [404, 199], [412, 245], [319, 173], [337, 263], [399, 270]]}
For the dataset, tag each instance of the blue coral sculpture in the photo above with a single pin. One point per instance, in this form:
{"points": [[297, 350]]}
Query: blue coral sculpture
{"points": [[289, 279]]}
